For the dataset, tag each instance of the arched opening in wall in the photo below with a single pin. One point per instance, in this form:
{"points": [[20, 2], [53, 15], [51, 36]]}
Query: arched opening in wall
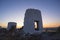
{"points": [[36, 25]]}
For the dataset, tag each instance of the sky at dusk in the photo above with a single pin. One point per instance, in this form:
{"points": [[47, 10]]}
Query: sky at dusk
{"points": [[14, 10]]}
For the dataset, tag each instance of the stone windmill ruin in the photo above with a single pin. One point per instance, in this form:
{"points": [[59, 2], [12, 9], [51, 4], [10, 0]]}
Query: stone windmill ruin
{"points": [[33, 21]]}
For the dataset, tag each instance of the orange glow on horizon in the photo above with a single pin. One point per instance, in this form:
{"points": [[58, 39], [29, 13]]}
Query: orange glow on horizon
{"points": [[48, 25], [3, 25]]}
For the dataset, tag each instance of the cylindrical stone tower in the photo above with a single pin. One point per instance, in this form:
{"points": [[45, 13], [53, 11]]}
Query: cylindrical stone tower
{"points": [[33, 16]]}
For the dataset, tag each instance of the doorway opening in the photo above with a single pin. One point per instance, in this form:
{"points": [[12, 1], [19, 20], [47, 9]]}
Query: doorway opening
{"points": [[36, 25]]}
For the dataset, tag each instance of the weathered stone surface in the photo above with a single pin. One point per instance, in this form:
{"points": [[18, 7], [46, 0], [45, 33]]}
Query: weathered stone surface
{"points": [[31, 16]]}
